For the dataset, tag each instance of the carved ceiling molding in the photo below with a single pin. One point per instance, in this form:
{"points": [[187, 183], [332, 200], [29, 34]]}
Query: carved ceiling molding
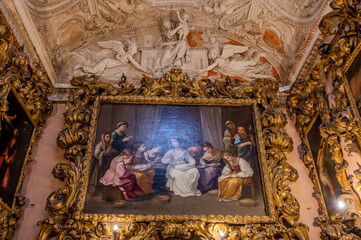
{"points": [[285, 9], [312, 58], [309, 48], [290, 14], [292, 35], [135, 30], [48, 9]]}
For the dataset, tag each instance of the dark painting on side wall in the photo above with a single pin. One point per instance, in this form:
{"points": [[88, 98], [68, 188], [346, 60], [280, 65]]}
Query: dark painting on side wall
{"points": [[325, 167], [15, 135]]}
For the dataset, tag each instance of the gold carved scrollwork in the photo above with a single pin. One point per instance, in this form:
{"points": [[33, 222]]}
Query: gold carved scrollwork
{"points": [[65, 205], [31, 86], [278, 143], [308, 100]]}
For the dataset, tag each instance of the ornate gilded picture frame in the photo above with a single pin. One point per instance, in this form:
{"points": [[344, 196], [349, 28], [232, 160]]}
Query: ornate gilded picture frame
{"points": [[328, 92], [153, 126], [24, 107], [326, 182], [17, 136], [174, 89]]}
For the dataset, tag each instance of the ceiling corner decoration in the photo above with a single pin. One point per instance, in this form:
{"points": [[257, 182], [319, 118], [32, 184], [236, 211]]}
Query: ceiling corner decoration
{"points": [[132, 38]]}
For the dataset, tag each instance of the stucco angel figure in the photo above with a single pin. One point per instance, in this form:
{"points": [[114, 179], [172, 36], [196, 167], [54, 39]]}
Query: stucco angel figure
{"points": [[230, 63], [172, 45], [113, 60]]}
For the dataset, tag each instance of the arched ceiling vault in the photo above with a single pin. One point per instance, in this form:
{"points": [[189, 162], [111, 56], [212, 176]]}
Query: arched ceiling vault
{"points": [[75, 35]]}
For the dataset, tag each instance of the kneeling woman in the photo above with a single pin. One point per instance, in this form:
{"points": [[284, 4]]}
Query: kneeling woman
{"points": [[235, 174], [181, 171], [119, 176]]}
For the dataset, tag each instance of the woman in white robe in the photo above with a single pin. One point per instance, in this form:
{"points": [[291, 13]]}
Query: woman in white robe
{"points": [[182, 174]]}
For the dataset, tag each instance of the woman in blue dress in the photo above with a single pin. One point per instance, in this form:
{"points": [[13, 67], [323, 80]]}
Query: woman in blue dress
{"points": [[119, 139]]}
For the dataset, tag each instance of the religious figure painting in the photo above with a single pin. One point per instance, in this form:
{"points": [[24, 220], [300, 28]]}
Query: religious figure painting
{"points": [[15, 135], [168, 159], [325, 167], [353, 76]]}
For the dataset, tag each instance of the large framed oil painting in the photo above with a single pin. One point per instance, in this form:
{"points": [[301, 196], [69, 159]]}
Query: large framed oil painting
{"points": [[175, 159], [16, 132], [325, 167]]}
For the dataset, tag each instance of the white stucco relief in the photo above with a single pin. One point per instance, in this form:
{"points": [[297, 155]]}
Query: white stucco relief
{"points": [[75, 25], [171, 49], [112, 62], [249, 66]]}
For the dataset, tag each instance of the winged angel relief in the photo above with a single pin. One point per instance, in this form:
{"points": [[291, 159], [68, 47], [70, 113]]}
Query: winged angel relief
{"points": [[231, 63], [114, 60]]}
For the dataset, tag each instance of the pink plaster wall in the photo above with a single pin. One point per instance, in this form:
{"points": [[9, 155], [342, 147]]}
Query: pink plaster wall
{"points": [[39, 181], [302, 189]]}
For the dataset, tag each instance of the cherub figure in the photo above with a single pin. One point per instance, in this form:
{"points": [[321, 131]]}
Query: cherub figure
{"points": [[106, 63], [183, 28], [230, 63]]}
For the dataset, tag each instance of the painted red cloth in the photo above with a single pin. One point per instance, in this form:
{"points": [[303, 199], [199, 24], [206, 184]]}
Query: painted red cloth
{"points": [[118, 175]]}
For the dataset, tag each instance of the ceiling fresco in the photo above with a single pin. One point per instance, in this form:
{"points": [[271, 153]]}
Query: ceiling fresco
{"points": [[206, 38]]}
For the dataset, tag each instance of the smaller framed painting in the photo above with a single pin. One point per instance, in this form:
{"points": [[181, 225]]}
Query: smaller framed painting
{"points": [[324, 166], [16, 139]]}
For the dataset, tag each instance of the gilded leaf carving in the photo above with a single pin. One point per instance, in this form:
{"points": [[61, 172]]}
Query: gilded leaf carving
{"points": [[65, 205], [309, 99]]}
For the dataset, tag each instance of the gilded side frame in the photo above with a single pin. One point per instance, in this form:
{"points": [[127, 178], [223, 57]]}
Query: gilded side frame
{"points": [[65, 205], [30, 86], [310, 162], [345, 69], [340, 119]]}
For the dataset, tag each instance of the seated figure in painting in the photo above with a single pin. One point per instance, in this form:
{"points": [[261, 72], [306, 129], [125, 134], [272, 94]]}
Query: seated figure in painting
{"points": [[141, 168], [244, 144], [103, 155], [181, 171], [153, 157], [211, 165], [119, 176], [235, 175], [119, 140]]}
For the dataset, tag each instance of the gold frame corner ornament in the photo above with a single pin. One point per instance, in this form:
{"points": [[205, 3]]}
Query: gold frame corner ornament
{"points": [[67, 221], [31, 88]]}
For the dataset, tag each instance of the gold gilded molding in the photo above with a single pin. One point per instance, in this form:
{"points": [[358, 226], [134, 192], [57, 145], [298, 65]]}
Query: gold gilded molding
{"points": [[30, 86], [338, 114], [65, 206]]}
